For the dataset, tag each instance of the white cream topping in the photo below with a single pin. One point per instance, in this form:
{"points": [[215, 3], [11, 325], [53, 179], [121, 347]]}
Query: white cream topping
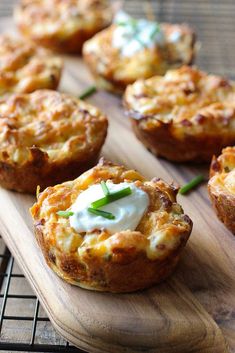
{"points": [[128, 211], [131, 35], [175, 36]]}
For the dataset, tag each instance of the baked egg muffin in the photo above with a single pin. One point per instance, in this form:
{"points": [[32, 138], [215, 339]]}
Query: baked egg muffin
{"points": [[221, 186], [25, 68], [131, 49], [47, 137], [62, 25], [111, 229], [186, 115]]}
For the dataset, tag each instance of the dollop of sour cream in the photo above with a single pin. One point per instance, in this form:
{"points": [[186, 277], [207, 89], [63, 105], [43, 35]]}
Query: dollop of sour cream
{"points": [[131, 35], [128, 211]]}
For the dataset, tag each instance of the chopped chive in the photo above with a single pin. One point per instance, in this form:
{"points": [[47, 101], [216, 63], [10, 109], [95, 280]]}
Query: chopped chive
{"points": [[111, 198], [104, 214], [192, 184], [65, 214], [121, 23], [88, 92], [154, 32], [104, 188]]}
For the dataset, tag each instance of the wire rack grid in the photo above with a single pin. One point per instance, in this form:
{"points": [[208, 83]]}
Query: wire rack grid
{"points": [[34, 338]]}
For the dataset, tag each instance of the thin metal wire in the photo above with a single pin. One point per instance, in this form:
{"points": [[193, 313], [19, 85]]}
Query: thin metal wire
{"points": [[24, 318], [35, 320], [19, 296], [4, 264], [22, 347], [13, 275], [11, 263]]}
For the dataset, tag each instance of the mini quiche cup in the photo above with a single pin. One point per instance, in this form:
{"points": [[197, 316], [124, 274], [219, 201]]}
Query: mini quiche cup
{"points": [[221, 186], [62, 25], [24, 67], [187, 115], [122, 262], [113, 71], [47, 137]]}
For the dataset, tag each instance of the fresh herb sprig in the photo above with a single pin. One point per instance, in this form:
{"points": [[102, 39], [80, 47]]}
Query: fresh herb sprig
{"points": [[191, 185], [154, 32], [105, 188], [65, 214], [88, 92], [132, 22], [101, 213], [111, 198]]}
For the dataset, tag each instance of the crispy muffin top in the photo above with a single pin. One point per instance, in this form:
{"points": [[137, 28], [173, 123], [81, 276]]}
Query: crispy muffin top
{"points": [[24, 67], [186, 98], [62, 17], [144, 63], [160, 232], [49, 124], [222, 171]]}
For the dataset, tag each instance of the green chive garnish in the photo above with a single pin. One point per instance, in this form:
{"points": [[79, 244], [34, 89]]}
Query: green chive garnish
{"points": [[154, 32], [111, 198], [121, 23], [192, 184], [88, 92], [104, 188], [65, 214], [104, 214]]}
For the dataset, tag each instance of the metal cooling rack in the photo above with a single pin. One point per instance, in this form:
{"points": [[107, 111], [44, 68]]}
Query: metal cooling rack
{"points": [[7, 275]]}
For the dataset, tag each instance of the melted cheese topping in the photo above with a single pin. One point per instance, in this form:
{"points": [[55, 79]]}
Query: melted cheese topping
{"points": [[188, 97], [24, 67], [51, 123], [128, 211], [62, 17], [222, 171], [131, 36]]}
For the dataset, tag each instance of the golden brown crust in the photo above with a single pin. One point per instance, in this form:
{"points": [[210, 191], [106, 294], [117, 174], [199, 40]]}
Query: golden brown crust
{"points": [[62, 25], [221, 187], [47, 137], [24, 67], [113, 72], [122, 262], [175, 115]]}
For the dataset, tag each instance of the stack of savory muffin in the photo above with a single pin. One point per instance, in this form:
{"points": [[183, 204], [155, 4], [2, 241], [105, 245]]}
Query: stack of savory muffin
{"points": [[110, 229]]}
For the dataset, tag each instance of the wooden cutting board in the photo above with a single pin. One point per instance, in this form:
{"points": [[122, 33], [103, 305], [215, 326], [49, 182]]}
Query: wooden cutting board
{"points": [[166, 318]]}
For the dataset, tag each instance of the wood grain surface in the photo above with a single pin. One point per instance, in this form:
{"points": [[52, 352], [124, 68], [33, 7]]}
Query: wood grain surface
{"points": [[166, 318]]}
